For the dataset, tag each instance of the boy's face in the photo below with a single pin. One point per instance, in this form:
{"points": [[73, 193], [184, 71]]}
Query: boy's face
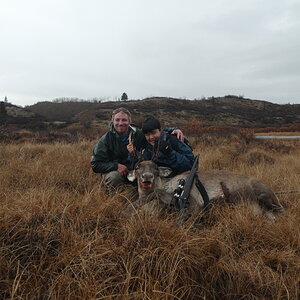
{"points": [[153, 135]]}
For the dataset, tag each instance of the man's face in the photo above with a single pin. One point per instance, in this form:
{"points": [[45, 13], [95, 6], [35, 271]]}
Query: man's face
{"points": [[121, 122], [152, 136]]}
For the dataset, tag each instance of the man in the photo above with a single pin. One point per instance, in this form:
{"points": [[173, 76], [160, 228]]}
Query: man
{"points": [[161, 147], [110, 155]]}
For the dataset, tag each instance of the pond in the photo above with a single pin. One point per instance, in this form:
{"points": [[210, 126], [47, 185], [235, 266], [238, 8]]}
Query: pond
{"points": [[277, 137]]}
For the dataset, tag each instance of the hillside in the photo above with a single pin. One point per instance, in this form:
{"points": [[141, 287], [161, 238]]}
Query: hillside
{"points": [[15, 115], [228, 110], [64, 111]]}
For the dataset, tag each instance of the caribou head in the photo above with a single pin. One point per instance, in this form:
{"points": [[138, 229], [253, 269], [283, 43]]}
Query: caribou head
{"points": [[147, 173]]}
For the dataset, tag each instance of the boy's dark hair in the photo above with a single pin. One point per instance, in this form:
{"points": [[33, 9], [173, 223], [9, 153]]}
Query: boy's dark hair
{"points": [[150, 124]]}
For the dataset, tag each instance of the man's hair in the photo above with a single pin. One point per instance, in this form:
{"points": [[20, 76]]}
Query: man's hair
{"points": [[150, 124], [123, 110]]}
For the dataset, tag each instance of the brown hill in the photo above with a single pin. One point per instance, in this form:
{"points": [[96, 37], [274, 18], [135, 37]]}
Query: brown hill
{"points": [[16, 115], [228, 110]]}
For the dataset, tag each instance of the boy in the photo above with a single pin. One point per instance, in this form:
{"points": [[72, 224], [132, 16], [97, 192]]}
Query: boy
{"points": [[163, 148]]}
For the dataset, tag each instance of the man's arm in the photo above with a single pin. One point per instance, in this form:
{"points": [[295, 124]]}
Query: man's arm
{"points": [[180, 159], [101, 161], [132, 157], [179, 134]]}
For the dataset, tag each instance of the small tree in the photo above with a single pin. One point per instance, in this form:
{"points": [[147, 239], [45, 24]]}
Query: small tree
{"points": [[5, 99], [124, 97]]}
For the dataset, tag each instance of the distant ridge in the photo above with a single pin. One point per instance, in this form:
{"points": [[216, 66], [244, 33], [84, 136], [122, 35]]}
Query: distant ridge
{"points": [[228, 111]]}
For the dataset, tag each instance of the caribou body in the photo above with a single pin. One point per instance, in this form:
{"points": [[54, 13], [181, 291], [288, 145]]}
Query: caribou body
{"points": [[156, 191]]}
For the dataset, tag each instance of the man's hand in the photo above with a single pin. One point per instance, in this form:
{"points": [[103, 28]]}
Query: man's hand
{"points": [[122, 170], [130, 148], [179, 134]]}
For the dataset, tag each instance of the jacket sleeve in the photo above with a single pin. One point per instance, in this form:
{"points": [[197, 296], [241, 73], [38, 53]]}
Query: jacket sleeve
{"points": [[170, 130], [182, 160], [132, 160], [101, 161]]}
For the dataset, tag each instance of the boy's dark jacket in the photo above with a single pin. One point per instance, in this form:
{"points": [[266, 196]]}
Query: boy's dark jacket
{"points": [[180, 159]]}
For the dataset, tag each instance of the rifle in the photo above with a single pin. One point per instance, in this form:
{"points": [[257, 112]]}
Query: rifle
{"points": [[182, 193]]}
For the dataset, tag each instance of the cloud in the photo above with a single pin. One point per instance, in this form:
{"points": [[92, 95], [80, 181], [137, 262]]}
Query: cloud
{"points": [[165, 48]]}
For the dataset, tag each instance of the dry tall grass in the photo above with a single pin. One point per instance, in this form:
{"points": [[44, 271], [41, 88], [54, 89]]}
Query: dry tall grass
{"points": [[63, 237]]}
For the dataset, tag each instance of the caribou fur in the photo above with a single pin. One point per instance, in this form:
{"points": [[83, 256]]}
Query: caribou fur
{"points": [[156, 191]]}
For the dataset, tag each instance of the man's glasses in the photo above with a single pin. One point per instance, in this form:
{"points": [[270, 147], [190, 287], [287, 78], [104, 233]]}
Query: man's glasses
{"points": [[121, 109]]}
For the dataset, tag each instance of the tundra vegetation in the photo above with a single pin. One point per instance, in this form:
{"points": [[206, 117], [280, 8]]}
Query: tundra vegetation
{"points": [[63, 237]]}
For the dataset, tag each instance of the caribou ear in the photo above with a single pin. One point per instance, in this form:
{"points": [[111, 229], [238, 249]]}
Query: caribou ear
{"points": [[131, 175], [164, 171]]}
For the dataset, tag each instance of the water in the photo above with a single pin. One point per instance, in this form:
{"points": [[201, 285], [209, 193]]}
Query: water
{"points": [[277, 137]]}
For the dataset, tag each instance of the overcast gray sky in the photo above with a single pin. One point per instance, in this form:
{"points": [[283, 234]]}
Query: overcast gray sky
{"points": [[173, 48]]}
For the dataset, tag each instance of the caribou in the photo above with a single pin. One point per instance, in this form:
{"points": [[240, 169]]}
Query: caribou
{"points": [[156, 190]]}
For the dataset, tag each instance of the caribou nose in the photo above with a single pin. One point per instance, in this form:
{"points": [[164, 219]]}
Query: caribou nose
{"points": [[147, 175]]}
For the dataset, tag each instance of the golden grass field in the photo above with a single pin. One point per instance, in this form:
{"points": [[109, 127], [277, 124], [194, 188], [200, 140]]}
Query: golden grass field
{"points": [[63, 237]]}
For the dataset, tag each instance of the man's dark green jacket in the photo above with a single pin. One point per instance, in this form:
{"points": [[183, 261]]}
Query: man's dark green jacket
{"points": [[111, 150]]}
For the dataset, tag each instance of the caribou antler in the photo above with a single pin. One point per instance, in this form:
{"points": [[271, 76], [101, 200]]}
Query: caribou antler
{"points": [[135, 153], [156, 151]]}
